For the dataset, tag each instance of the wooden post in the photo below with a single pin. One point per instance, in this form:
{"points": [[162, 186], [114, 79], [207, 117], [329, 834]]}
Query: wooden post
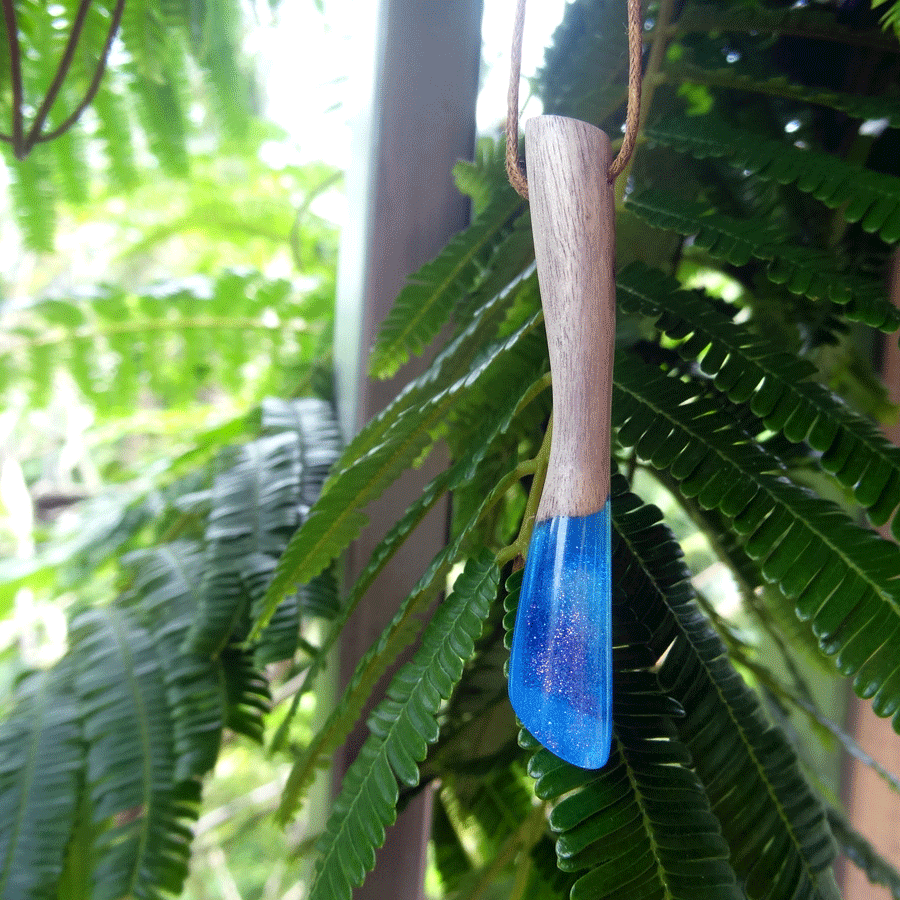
{"points": [[404, 207], [872, 807]]}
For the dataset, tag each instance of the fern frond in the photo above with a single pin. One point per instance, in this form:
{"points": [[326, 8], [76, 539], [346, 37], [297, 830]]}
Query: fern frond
{"points": [[41, 761], [336, 519], [480, 179], [776, 385], [634, 824], [809, 23], [857, 107], [176, 338], [248, 699], [631, 824], [315, 428], [160, 110], [219, 57], [72, 171], [839, 574], [34, 197], [255, 506], [402, 727], [398, 634], [459, 474], [424, 305], [871, 198], [449, 365], [891, 17], [164, 596], [581, 76], [143, 846], [802, 270], [747, 767], [257, 503]]}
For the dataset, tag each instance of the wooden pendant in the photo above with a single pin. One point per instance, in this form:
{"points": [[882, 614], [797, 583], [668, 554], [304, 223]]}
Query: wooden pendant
{"points": [[560, 677]]}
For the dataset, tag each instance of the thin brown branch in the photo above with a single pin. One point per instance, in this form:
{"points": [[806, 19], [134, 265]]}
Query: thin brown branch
{"points": [[62, 70], [115, 21], [15, 68]]}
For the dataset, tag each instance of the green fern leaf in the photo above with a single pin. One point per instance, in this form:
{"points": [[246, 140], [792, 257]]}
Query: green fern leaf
{"points": [[631, 824], [746, 766], [581, 76], [402, 727], [220, 59], [871, 198], [143, 848], [660, 807], [164, 597], [732, 78], [460, 473], [247, 695], [255, 506], [840, 575], [72, 172], [776, 384], [449, 365], [395, 637], [511, 257], [336, 520], [811, 23], [480, 179], [314, 426], [161, 112], [424, 305], [891, 17], [41, 761], [34, 199], [801, 269]]}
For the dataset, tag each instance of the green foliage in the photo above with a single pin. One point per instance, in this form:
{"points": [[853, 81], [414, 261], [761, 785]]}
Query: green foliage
{"points": [[358, 479], [402, 727], [41, 752], [745, 399], [746, 766], [175, 340], [164, 48], [106, 751], [878, 870], [891, 17], [777, 385], [738, 418], [737, 241], [422, 306], [871, 198]]}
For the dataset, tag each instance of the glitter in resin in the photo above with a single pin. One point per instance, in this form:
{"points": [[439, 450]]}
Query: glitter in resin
{"points": [[560, 672]]}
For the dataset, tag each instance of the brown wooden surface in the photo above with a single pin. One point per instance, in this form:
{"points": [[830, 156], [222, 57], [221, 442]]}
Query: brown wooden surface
{"points": [[873, 808], [573, 212], [404, 207]]}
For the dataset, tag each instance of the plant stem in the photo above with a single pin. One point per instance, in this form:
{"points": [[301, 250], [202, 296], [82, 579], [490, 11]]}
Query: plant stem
{"points": [[519, 547], [35, 137], [15, 69]]}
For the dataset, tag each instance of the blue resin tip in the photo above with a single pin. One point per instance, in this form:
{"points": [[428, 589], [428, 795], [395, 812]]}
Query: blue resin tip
{"points": [[560, 671]]}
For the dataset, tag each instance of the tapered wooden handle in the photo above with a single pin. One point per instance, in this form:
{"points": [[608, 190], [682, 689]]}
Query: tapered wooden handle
{"points": [[573, 214]]}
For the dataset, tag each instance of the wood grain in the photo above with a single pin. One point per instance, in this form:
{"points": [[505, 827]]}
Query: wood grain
{"points": [[573, 214]]}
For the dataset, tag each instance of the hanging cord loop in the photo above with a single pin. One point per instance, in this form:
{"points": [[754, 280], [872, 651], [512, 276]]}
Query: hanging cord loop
{"points": [[515, 170]]}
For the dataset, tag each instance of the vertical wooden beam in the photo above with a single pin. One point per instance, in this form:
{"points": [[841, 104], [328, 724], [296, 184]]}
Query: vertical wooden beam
{"points": [[872, 807], [404, 206]]}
